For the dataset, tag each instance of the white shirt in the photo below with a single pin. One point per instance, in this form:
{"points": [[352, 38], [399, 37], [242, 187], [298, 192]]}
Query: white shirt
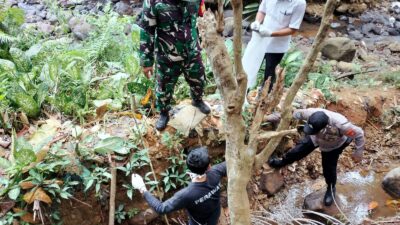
{"points": [[280, 14]]}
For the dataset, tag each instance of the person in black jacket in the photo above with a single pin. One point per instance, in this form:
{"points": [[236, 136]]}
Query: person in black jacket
{"points": [[201, 198]]}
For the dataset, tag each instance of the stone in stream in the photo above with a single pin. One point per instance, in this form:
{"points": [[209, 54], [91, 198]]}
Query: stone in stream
{"points": [[339, 48], [315, 202], [271, 182], [391, 183], [356, 34]]}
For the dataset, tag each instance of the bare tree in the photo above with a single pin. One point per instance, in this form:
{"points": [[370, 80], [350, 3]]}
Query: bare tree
{"points": [[231, 80]]}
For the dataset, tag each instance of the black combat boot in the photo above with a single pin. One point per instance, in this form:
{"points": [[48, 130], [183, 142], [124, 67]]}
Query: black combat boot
{"points": [[329, 195], [161, 123], [276, 163], [203, 107]]}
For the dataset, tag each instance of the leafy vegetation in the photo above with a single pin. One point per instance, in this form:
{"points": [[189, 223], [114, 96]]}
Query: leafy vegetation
{"points": [[175, 176]]}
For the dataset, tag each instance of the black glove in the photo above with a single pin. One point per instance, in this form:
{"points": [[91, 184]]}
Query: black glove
{"points": [[275, 163]]}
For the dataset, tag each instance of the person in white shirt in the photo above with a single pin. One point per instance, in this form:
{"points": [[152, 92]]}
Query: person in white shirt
{"points": [[277, 21]]}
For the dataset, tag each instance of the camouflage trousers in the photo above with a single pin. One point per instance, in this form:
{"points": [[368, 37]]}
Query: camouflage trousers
{"points": [[168, 73]]}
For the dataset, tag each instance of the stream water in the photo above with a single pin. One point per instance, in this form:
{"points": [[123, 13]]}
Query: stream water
{"points": [[355, 191]]}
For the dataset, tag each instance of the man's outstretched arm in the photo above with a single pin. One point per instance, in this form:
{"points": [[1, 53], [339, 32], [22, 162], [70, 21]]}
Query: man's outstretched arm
{"points": [[175, 203]]}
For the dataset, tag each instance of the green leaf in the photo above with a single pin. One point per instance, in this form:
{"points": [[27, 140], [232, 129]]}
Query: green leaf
{"points": [[23, 152], [111, 144], [14, 193], [97, 187], [89, 184], [4, 163], [293, 56], [130, 194], [64, 195]]}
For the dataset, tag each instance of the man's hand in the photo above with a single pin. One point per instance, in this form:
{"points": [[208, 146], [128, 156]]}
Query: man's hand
{"points": [[255, 25], [138, 183], [357, 156], [148, 71], [265, 32]]}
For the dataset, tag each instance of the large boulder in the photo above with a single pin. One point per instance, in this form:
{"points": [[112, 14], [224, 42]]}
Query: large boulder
{"points": [[391, 183], [271, 182], [315, 202], [339, 48]]}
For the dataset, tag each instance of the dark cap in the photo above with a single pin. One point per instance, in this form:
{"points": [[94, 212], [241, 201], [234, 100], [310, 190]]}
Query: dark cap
{"points": [[198, 160], [316, 122]]}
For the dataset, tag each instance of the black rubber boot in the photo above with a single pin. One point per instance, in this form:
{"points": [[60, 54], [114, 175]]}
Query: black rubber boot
{"points": [[162, 122], [203, 107], [276, 163], [329, 195]]}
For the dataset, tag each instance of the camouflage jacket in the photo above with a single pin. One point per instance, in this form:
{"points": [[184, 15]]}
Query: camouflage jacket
{"points": [[335, 133], [168, 28]]}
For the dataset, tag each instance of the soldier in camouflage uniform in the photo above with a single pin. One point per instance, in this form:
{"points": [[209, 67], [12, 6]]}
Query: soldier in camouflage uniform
{"points": [[169, 30]]}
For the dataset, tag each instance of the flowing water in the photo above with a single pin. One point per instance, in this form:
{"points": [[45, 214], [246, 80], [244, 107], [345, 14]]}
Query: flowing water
{"points": [[355, 191]]}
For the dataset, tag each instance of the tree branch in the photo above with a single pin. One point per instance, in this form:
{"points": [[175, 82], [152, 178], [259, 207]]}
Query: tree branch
{"points": [[274, 134], [216, 50], [241, 76], [265, 105], [298, 82]]}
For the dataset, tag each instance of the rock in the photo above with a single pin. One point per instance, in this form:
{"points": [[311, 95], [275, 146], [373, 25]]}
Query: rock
{"points": [[333, 62], [345, 67], [366, 17], [42, 14], [391, 183], [339, 48], [357, 8], [331, 34], [51, 18], [394, 47], [394, 31], [11, 3], [124, 8], [363, 55], [27, 8], [45, 27], [397, 25], [335, 25], [144, 217], [80, 28], [367, 28], [32, 18], [315, 202], [356, 34], [229, 26], [271, 182], [395, 7], [343, 18], [343, 8]]}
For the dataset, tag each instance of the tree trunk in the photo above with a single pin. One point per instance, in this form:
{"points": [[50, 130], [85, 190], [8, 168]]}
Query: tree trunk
{"points": [[232, 82]]}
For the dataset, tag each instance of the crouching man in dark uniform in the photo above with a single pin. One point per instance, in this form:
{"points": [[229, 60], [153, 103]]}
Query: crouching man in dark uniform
{"points": [[201, 198], [329, 131]]}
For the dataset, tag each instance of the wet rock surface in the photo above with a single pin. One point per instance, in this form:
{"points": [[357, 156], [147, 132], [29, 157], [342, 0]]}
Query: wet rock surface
{"points": [[391, 183], [315, 202]]}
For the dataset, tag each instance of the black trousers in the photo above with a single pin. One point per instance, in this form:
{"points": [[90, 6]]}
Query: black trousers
{"points": [[271, 62], [329, 159]]}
